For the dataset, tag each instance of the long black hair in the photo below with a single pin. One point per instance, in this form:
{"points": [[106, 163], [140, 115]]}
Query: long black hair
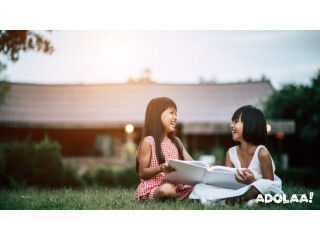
{"points": [[153, 126], [254, 124]]}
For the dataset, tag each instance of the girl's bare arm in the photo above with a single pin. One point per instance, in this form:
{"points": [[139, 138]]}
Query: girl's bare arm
{"points": [[145, 171], [186, 155], [266, 164], [228, 162]]}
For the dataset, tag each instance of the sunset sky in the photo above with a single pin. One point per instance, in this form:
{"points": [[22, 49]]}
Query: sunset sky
{"points": [[173, 57]]}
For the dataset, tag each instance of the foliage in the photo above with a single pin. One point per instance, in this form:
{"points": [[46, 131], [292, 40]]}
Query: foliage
{"points": [[107, 176], [4, 90], [16, 41], [40, 164], [219, 152], [128, 178], [104, 176], [29, 163], [48, 163], [18, 161], [301, 103], [145, 77], [196, 155], [71, 178], [88, 178], [308, 177]]}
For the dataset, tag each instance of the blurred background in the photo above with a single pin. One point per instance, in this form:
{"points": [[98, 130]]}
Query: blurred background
{"points": [[72, 103]]}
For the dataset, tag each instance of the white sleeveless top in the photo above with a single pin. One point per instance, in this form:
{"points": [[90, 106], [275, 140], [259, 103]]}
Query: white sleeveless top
{"points": [[209, 193], [254, 165]]}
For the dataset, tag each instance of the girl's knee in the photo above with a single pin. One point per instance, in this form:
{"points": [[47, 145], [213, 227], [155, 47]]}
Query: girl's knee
{"points": [[166, 191]]}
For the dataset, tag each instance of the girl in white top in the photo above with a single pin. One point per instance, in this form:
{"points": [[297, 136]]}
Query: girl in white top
{"points": [[248, 129]]}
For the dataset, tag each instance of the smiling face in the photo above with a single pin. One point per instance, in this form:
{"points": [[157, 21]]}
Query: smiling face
{"points": [[169, 120], [237, 129]]}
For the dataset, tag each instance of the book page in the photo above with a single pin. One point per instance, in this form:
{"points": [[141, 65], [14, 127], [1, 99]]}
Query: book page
{"points": [[225, 179], [224, 169], [187, 172], [196, 163]]}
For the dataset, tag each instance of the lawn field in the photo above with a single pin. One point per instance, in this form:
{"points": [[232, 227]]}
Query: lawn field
{"points": [[98, 198]]}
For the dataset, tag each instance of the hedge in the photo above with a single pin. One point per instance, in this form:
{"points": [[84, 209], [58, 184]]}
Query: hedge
{"points": [[40, 164], [28, 163]]}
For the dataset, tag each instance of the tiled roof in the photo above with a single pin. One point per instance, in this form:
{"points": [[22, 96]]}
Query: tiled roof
{"points": [[107, 105]]}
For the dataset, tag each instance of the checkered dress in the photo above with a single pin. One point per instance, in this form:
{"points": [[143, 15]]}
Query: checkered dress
{"points": [[147, 187]]}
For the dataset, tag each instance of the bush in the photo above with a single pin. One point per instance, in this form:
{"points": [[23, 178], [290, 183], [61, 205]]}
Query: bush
{"points": [[128, 178], [197, 154], [2, 164], [26, 163], [71, 178], [17, 161], [104, 177], [88, 178], [220, 153], [48, 166], [300, 176]]}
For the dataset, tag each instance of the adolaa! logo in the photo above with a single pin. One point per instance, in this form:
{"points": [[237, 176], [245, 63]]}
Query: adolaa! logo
{"points": [[282, 198]]}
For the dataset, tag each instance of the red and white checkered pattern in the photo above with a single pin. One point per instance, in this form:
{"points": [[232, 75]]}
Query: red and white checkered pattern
{"points": [[147, 187]]}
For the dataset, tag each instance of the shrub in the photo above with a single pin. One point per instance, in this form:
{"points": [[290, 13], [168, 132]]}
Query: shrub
{"points": [[71, 178], [302, 176], [88, 178], [219, 152], [2, 164], [18, 161], [196, 155], [48, 166], [27, 163], [128, 178], [104, 176]]}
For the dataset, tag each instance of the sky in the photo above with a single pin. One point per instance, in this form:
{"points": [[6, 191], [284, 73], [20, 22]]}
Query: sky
{"points": [[172, 56]]}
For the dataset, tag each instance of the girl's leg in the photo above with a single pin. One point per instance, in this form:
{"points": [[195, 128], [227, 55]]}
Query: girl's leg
{"points": [[164, 192], [252, 193]]}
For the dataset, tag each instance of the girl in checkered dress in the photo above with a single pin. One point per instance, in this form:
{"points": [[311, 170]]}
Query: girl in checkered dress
{"points": [[159, 144]]}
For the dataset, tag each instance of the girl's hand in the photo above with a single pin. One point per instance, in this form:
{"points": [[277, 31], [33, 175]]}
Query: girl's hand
{"points": [[245, 176], [166, 168]]}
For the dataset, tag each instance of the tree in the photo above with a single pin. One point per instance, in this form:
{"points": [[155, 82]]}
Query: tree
{"points": [[4, 89], [301, 103], [202, 80], [145, 77], [14, 42]]}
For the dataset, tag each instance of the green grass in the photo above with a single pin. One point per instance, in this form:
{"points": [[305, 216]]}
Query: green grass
{"points": [[94, 198]]}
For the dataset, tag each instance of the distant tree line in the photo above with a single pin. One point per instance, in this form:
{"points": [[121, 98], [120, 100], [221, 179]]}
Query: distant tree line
{"points": [[301, 103], [144, 78]]}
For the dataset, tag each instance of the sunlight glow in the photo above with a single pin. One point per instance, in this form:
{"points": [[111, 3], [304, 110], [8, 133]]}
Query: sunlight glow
{"points": [[268, 128], [129, 128]]}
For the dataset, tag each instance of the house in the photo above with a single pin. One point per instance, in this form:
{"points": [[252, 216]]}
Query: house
{"points": [[90, 119]]}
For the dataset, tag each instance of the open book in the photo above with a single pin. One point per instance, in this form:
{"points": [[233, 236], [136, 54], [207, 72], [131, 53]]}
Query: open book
{"points": [[193, 172]]}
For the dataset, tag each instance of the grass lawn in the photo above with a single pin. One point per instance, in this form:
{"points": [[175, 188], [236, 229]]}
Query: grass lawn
{"points": [[98, 198]]}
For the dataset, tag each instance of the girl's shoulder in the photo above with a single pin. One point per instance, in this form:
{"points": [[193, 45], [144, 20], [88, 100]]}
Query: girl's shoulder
{"points": [[263, 154], [149, 139], [144, 146], [232, 150], [262, 151]]}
